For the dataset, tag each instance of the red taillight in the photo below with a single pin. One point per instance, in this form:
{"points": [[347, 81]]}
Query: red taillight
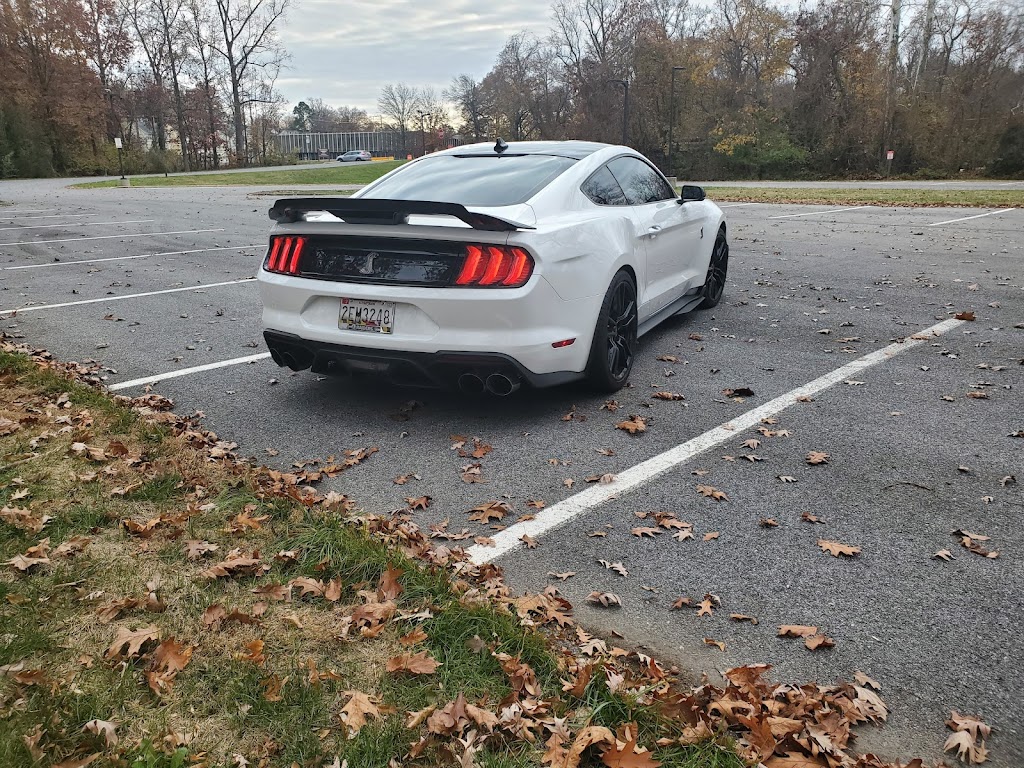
{"points": [[473, 267], [285, 253], [495, 266]]}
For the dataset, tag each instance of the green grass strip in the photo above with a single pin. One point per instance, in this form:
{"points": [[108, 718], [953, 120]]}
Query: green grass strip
{"points": [[361, 173], [959, 198]]}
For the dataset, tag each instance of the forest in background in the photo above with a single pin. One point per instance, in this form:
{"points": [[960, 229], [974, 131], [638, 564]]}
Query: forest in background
{"points": [[762, 90]]}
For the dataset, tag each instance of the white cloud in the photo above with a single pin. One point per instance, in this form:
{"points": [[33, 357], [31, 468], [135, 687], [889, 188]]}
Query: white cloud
{"points": [[344, 53]]}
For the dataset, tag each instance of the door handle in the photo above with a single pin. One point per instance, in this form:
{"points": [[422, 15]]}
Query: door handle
{"points": [[654, 228]]}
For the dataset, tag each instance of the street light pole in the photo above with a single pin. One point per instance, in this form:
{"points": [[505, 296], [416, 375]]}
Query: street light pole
{"points": [[423, 129], [625, 109], [672, 121]]}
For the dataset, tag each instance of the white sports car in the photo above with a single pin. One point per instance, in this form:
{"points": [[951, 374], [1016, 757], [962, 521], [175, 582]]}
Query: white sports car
{"points": [[489, 265]]}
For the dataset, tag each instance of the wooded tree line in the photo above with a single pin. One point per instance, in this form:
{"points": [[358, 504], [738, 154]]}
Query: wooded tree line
{"points": [[194, 78], [765, 91]]}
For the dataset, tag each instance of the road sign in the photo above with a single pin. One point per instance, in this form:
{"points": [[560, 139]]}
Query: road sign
{"points": [[889, 155], [117, 142]]}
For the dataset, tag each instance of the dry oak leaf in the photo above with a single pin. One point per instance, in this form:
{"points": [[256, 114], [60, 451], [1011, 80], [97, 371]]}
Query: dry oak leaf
{"points": [[667, 396], [633, 425], [705, 607], [711, 535], [593, 734], [356, 710], [646, 531], [836, 549], [807, 517], [418, 502], [627, 755], [797, 630], [414, 637], [943, 554], [711, 492], [787, 479], [236, 564], [272, 687], [107, 729], [605, 599], [492, 510], [967, 749], [618, 567], [814, 642], [794, 760], [817, 457], [717, 643], [129, 642], [253, 652], [194, 549], [421, 663], [972, 725], [529, 541], [561, 576], [743, 617]]}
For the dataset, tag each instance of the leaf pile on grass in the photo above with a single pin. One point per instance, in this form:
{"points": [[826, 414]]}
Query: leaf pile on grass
{"points": [[166, 601]]}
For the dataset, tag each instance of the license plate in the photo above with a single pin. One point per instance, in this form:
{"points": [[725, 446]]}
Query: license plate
{"points": [[373, 316]]}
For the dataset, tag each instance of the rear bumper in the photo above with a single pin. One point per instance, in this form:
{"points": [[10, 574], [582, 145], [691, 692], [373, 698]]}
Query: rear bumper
{"points": [[424, 369]]}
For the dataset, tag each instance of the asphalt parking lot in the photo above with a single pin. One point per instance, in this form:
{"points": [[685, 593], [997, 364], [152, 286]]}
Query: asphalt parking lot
{"points": [[157, 281]]}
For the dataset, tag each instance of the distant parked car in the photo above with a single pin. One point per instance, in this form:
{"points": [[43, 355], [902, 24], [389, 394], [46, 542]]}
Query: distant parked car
{"points": [[354, 156]]}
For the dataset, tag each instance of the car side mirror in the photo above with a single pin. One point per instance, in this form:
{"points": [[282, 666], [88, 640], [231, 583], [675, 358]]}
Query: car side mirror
{"points": [[691, 193]]}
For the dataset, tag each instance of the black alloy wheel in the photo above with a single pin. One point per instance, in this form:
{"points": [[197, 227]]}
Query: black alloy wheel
{"points": [[714, 283], [613, 349]]}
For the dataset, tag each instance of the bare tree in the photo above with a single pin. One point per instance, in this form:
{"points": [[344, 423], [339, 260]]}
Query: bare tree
{"points": [[248, 42], [399, 102], [472, 104], [201, 32]]}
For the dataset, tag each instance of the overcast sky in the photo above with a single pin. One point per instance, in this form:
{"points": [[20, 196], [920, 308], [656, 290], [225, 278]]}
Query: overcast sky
{"points": [[343, 52]]}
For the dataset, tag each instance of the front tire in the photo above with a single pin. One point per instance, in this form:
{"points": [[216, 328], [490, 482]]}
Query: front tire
{"points": [[613, 349], [714, 282]]}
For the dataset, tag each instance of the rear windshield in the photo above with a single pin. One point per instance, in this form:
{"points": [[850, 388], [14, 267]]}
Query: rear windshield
{"points": [[482, 180]]}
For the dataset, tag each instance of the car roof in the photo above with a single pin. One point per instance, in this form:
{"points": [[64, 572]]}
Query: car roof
{"points": [[577, 150]]}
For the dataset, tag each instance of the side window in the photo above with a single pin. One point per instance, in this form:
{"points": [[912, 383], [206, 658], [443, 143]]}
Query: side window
{"points": [[603, 189], [641, 183]]}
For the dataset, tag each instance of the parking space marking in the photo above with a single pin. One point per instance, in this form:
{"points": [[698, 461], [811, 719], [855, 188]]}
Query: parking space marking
{"points": [[21, 310], [40, 210], [86, 224], [186, 371], [53, 216], [123, 258], [111, 237], [736, 205], [968, 218], [819, 213], [564, 511]]}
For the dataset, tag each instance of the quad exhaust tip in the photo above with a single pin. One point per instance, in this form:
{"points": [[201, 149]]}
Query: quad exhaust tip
{"points": [[501, 385], [471, 384]]}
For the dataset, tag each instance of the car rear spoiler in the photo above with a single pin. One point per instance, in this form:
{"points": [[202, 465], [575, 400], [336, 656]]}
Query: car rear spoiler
{"points": [[377, 211]]}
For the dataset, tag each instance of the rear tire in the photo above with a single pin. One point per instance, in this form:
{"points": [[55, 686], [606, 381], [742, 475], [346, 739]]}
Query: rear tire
{"points": [[718, 268], [613, 349]]}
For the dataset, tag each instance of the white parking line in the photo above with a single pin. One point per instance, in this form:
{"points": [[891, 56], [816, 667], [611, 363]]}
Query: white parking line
{"points": [[968, 218], [736, 205], [123, 258], [111, 237], [186, 371], [564, 511], [86, 224], [53, 216], [105, 299], [40, 210], [819, 213]]}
